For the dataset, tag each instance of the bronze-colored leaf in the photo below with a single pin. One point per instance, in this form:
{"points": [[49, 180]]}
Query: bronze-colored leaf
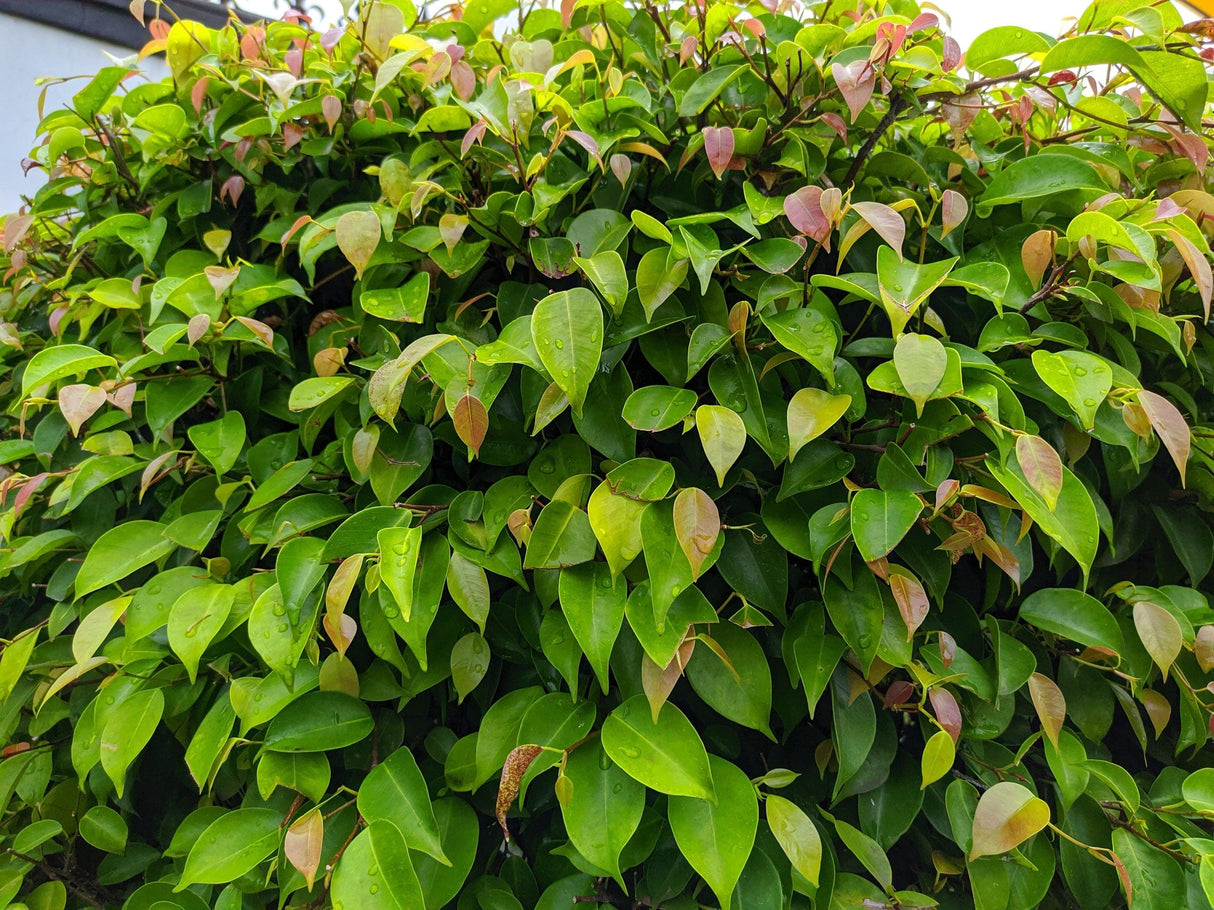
{"points": [[517, 763]]}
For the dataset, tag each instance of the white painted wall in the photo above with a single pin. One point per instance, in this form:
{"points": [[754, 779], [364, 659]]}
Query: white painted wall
{"points": [[29, 50]]}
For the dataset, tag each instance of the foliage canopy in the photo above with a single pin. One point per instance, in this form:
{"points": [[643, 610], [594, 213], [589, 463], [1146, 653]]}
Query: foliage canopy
{"points": [[749, 455]]}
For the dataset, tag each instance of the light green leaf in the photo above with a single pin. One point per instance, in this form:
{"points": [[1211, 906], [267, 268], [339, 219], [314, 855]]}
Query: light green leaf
{"points": [[567, 328], [376, 872], [604, 808], [232, 845], [54, 363], [723, 435], [811, 412], [667, 755], [396, 791], [196, 618], [119, 552], [921, 361], [880, 519], [796, 834], [129, 726]]}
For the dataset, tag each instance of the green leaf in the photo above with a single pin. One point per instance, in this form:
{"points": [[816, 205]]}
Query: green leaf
{"points": [[616, 506], [658, 407], [939, 754], [459, 833], [808, 333], [197, 617], [567, 328], [905, 285], [406, 303], [395, 791], [880, 519], [593, 604], [667, 755], [104, 829], [1083, 380], [128, 728], [921, 361], [469, 663], [1156, 879], [319, 722], [706, 88], [562, 537], [867, 851], [1040, 176], [220, 441], [1072, 522], [312, 393], [797, 836], [659, 274], [399, 550], [740, 691], [54, 363], [119, 552], [376, 871], [232, 845], [606, 271], [716, 837], [1003, 41], [604, 808]]}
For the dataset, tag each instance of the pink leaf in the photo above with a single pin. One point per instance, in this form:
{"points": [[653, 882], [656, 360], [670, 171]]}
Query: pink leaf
{"points": [[948, 712], [473, 136], [330, 107], [463, 79], [856, 82], [586, 141], [836, 123], [922, 21], [953, 208], [198, 93], [621, 166], [804, 210], [1199, 266], [951, 56], [718, 145], [885, 221], [1169, 423]]}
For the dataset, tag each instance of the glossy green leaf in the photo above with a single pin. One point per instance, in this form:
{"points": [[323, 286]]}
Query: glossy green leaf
{"points": [[716, 837], [667, 755]]}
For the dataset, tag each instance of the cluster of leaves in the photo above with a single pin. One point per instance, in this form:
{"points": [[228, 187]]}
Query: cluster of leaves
{"points": [[705, 455]]}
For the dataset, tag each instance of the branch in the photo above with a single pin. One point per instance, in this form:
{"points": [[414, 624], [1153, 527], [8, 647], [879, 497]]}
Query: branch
{"points": [[897, 104]]}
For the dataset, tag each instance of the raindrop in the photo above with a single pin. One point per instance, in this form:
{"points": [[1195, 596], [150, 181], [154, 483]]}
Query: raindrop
{"points": [[631, 751], [559, 344]]}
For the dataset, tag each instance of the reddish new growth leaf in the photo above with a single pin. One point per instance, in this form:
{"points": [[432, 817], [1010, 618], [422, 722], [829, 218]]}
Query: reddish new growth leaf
{"points": [[856, 82], [911, 599], [1050, 704], [947, 711], [804, 210], [1169, 423], [517, 763], [471, 421], [718, 146]]}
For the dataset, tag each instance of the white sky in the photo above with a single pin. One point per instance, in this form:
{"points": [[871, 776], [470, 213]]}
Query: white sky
{"points": [[970, 17]]}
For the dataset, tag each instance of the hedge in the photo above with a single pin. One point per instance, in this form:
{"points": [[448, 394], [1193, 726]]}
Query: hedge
{"points": [[741, 456]]}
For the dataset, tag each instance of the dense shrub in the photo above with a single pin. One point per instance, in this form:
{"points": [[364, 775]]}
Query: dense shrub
{"points": [[758, 458]]}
